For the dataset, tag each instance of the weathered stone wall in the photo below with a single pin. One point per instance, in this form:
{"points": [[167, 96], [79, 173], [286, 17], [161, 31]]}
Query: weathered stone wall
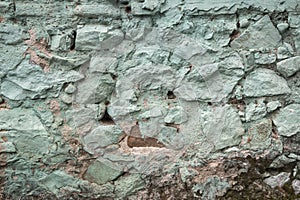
{"points": [[149, 99]]}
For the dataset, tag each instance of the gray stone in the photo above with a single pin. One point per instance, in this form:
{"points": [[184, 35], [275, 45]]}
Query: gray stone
{"points": [[273, 105], [101, 137], [289, 66], [70, 89], [66, 98], [282, 27], [176, 115], [255, 36], [11, 34], [222, 127], [265, 82], [285, 51], [288, 120], [278, 180], [127, 185], [29, 80], [264, 58], [24, 129], [244, 23], [101, 171], [255, 111], [95, 88], [7, 147], [281, 161], [59, 180], [259, 134], [96, 10], [211, 82], [296, 186], [90, 36]]}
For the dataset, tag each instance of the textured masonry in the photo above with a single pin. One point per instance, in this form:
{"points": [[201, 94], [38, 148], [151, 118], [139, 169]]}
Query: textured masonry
{"points": [[149, 99]]}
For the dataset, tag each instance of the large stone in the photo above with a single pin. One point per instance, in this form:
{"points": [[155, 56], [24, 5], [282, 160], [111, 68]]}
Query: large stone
{"points": [[288, 120], [259, 134], [24, 129], [95, 88], [101, 137], [101, 172], [255, 36], [129, 184], [289, 66], [211, 82], [29, 80], [90, 36], [11, 34], [265, 82], [278, 180], [222, 127], [96, 10]]}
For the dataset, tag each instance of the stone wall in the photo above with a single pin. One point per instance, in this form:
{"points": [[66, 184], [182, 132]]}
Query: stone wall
{"points": [[149, 99]]}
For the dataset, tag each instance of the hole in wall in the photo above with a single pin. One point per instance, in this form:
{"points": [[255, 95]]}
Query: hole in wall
{"points": [[171, 95], [107, 119], [128, 9], [72, 37]]}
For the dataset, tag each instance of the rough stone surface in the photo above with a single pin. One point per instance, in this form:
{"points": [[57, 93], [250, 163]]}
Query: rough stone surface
{"points": [[265, 82], [288, 120], [149, 99]]}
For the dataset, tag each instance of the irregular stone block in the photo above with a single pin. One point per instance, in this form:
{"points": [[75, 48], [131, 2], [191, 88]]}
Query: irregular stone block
{"points": [[212, 82], [255, 36], [259, 134], [25, 130], [265, 82], [278, 180], [289, 66], [90, 36], [255, 111], [59, 180], [101, 137], [264, 58], [11, 34], [128, 185], [222, 127], [29, 80], [296, 186], [101, 172], [96, 10], [95, 88], [288, 120]]}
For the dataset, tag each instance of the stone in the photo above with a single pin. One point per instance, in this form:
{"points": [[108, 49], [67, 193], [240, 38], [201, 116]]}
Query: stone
{"points": [[289, 66], [255, 36], [11, 34], [101, 171], [260, 134], [127, 185], [90, 36], [95, 88], [265, 82], [25, 130], [255, 111], [278, 180], [222, 127], [281, 161], [11, 56], [285, 51], [176, 115], [211, 82], [66, 98], [35, 83], [264, 58], [101, 137], [282, 27], [70, 89], [59, 180], [7, 147], [287, 120], [244, 23], [296, 186], [96, 10], [273, 105]]}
